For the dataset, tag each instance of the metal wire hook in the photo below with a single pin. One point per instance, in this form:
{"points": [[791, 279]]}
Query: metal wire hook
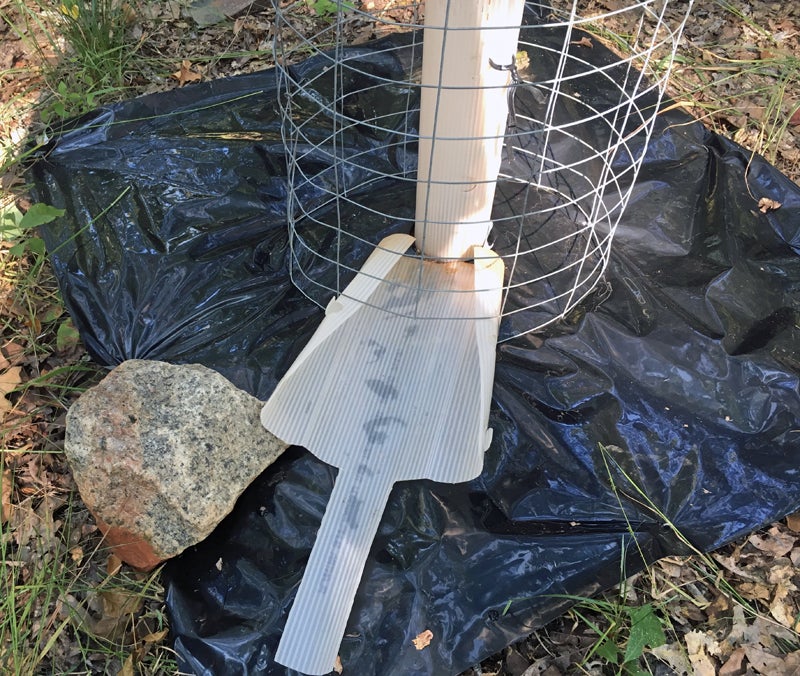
{"points": [[516, 80]]}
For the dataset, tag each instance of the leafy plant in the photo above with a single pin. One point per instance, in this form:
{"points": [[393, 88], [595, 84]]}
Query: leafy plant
{"points": [[326, 9], [16, 227], [68, 100], [624, 633]]}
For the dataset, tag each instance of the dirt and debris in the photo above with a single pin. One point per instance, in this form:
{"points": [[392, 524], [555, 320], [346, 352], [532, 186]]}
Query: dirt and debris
{"points": [[733, 612], [423, 639]]}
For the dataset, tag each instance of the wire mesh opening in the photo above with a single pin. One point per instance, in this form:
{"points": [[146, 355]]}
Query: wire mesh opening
{"points": [[571, 152]]}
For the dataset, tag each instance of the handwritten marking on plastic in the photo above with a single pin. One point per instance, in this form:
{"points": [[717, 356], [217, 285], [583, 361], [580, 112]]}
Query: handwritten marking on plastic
{"points": [[352, 513], [377, 350], [382, 388], [376, 428], [330, 563]]}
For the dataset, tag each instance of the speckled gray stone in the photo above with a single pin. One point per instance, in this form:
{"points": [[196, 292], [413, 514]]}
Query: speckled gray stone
{"points": [[160, 454]]}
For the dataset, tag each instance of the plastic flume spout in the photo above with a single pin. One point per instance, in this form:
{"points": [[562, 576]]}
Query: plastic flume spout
{"points": [[396, 382]]}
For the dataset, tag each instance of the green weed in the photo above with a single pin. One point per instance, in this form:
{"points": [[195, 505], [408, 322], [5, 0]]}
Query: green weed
{"points": [[100, 48], [85, 49], [60, 612], [327, 9]]}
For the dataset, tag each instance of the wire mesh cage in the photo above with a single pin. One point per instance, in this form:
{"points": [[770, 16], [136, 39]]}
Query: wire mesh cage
{"points": [[359, 156]]}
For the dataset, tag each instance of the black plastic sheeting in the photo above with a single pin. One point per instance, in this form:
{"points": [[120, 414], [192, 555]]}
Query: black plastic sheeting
{"points": [[664, 411]]}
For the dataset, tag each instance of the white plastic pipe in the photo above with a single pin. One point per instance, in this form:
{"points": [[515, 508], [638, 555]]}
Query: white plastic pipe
{"points": [[463, 115]]}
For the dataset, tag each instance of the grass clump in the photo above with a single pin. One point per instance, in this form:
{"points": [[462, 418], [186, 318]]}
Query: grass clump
{"points": [[87, 50], [61, 611], [95, 52]]}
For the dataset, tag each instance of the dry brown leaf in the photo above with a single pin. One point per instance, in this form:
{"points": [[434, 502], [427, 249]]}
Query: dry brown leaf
{"points": [[10, 379], [782, 608], [793, 522], [155, 637], [766, 204], [763, 662], [113, 564], [6, 491], [733, 666], [773, 542], [185, 74], [700, 648], [117, 608], [730, 563], [719, 608], [674, 655], [791, 664], [127, 668], [423, 639], [761, 632], [754, 591]]}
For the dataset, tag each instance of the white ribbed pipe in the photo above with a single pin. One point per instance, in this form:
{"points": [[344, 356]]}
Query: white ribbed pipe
{"points": [[463, 115]]}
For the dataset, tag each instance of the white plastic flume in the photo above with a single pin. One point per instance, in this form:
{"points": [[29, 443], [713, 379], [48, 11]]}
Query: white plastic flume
{"points": [[396, 382]]}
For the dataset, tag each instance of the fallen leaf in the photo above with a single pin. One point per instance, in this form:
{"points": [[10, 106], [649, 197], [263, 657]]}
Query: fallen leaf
{"points": [[583, 42], [156, 637], [699, 648], [762, 661], [794, 120], [762, 631], [185, 74], [67, 336], [791, 663], [14, 353], [10, 379], [766, 204], [127, 668], [423, 640], [754, 591], [6, 490], [793, 522], [113, 564], [674, 655], [733, 666], [208, 12], [117, 607]]}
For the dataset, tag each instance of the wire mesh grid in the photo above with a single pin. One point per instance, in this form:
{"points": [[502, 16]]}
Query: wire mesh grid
{"points": [[581, 100]]}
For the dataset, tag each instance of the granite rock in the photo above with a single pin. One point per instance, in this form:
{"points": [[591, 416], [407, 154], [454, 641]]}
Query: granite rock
{"points": [[160, 454]]}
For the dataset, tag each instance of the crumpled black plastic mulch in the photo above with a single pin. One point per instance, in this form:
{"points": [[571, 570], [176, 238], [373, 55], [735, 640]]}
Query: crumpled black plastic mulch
{"points": [[664, 411]]}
